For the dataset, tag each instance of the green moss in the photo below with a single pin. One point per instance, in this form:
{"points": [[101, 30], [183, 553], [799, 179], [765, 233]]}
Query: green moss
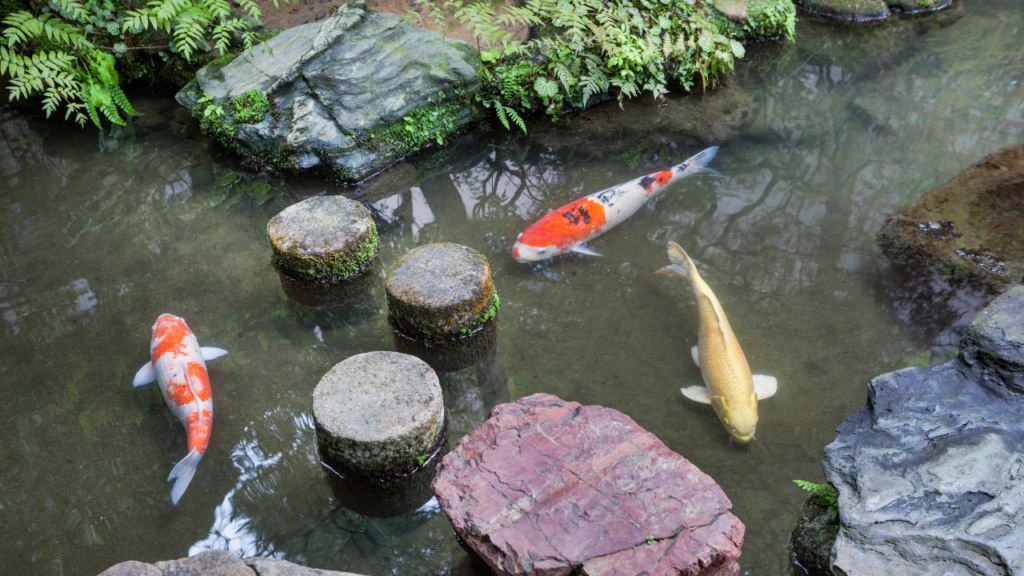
{"points": [[250, 108], [329, 267], [419, 129]]}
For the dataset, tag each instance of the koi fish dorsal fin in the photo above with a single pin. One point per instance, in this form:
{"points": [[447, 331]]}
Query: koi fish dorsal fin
{"points": [[145, 375], [716, 326]]}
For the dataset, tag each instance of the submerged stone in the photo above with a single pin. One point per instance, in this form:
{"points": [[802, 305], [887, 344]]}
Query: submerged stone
{"points": [[323, 238], [385, 496], [354, 289], [546, 486], [452, 355], [929, 472], [972, 226], [440, 291], [352, 93], [869, 9], [377, 413]]}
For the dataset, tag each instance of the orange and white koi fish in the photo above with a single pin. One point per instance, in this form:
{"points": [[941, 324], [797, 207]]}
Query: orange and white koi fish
{"points": [[568, 228], [730, 388], [178, 365]]}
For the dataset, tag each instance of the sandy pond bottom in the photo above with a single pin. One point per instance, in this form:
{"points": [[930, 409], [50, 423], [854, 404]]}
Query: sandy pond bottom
{"points": [[831, 135]]}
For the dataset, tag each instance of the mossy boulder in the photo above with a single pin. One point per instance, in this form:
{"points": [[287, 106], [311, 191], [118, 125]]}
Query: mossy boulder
{"points": [[440, 291], [350, 94], [815, 533], [972, 226], [869, 9], [322, 239]]}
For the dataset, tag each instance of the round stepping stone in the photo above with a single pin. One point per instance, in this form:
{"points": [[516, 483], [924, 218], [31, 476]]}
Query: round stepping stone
{"points": [[440, 291], [323, 238], [378, 413]]}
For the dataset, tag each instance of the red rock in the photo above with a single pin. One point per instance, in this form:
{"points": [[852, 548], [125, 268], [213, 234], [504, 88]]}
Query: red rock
{"points": [[548, 487]]}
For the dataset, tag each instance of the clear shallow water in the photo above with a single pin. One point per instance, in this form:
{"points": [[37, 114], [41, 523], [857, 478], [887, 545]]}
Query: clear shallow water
{"points": [[821, 141]]}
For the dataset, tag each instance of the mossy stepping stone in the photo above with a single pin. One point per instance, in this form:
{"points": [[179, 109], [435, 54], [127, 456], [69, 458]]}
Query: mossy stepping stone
{"points": [[323, 239], [378, 413], [440, 291]]}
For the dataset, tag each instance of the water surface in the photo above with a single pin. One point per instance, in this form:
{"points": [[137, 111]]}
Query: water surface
{"points": [[821, 141]]}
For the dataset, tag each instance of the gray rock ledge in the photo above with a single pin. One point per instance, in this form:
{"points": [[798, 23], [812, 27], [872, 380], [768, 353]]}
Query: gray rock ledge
{"points": [[930, 472]]}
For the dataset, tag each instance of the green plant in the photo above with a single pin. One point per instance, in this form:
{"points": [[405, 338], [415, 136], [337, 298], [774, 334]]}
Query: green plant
{"points": [[590, 47], [826, 495], [250, 107], [650, 539], [66, 50]]}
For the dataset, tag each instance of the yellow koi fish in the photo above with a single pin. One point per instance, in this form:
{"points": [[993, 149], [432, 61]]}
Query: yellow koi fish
{"points": [[730, 388]]}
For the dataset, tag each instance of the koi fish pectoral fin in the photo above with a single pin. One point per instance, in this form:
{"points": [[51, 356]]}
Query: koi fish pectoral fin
{"points": [[582, 249], [695, 354], [212, 353], [765, 386], [697, 394], [145, 375]]}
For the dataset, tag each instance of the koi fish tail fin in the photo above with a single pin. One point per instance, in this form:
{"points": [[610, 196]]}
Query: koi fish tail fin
{"points": [[681, 263], [697, 164], [183, 471]]}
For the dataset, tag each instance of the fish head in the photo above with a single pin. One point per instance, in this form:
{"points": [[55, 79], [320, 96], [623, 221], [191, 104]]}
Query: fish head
{"points": [[738, 414], [523, 252]]}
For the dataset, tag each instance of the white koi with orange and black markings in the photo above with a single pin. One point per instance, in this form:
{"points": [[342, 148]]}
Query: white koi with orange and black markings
{"points": [[567, 229], [729, 386], [178, 365]]}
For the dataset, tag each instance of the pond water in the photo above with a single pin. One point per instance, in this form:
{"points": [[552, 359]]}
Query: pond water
{"points": [[821, 140]]}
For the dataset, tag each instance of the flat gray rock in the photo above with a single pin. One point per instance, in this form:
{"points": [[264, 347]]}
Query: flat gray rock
{"points": [[208, 563], [378, 411], [217, 563], [132, 568], [337, 85], [930, 472]]}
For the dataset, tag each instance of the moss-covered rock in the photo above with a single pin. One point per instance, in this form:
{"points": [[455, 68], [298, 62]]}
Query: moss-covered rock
{"points": [[869, 9], [972, 226], [322, 239], [350, 95], [815, 533], [440, 291]]}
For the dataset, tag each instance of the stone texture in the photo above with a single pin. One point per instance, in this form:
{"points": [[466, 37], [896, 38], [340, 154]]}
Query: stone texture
{"points": [[440, 291], [217, 563], [275, 567], [973, 225], [812, 539], [335, 85], [208, 563], [551, 487], [323, 238], [930, 472], [378, 412], [132, 568], [451, 355], [860, 10]]}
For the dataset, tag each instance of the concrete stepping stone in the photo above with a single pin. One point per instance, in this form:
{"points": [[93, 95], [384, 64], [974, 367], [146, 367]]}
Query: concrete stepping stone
{"points": [[378, 413], [323, 239], [440, 291]]}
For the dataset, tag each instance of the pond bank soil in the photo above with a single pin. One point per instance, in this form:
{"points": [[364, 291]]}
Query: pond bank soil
{"points": [[972, 226], [217, 563], [929, 471], [546, 486]]}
